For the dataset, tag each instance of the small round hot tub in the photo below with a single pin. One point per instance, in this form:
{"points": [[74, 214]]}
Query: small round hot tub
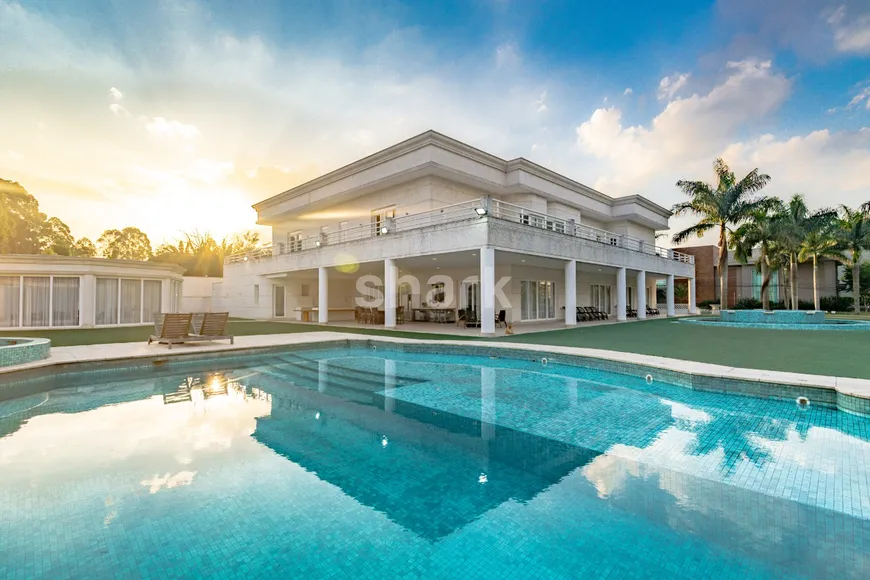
{"points": [[18, 351]]}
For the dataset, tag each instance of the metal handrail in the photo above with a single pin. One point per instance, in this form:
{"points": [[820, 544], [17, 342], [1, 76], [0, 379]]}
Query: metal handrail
{"points": [[450, 214]]}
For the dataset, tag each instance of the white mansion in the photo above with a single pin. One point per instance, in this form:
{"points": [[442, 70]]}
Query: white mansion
{"points": [[434, 223]]}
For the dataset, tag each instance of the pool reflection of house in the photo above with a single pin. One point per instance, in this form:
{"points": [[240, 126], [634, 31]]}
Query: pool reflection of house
{"points": [[431, 479]]}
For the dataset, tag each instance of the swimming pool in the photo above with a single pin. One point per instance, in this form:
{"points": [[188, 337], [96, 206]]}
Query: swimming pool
{"points": [[372, 463]]}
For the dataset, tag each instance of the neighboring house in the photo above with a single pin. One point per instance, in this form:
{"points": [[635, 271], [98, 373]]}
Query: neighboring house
{"points": [[39, 291], [431, 222], [744, 280]]}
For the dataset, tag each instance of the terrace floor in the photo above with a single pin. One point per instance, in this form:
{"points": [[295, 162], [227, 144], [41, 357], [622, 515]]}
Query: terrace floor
{"points": [[829, 352]]}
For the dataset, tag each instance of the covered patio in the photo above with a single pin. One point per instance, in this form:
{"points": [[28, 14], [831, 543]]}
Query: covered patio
{"points": [[468, 293]]}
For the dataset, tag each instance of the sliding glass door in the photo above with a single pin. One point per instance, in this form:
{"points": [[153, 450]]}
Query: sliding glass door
{"points": [[65, 301], [537, 300]]}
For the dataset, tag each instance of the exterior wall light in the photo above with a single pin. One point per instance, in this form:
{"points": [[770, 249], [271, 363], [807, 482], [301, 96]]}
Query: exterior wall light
{"points": [[384, 230], [317, 243], [481, 211]]}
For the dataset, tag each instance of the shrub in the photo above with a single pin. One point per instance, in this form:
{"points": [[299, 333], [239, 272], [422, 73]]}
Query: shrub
{"points": [[747, 304], [836, 303], [806, 305], [707, 303], [777, 305]]}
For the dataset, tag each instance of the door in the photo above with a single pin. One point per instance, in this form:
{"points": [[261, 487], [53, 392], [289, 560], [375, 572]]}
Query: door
{"points": [[278, 294], [471, 296], [380, 217]]}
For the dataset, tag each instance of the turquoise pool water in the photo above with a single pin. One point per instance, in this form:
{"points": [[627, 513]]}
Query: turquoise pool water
{"points": [[361, 463]]}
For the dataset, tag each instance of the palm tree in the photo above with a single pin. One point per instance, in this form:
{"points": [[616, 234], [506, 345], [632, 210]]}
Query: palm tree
{"points": [[730, 203], [762, 231], [819, 243], [854, 237], [794, 225]]}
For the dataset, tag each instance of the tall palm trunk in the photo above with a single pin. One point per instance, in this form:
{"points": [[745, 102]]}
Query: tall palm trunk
{"points": [[792, 273], [856, 285], [723, 268], [815, 283], [765, 284]]}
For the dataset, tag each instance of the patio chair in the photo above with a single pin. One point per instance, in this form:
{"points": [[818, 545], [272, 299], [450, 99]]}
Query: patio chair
{"points": [[501, 318], [471, 318], [360, 315], [600, 313], [582, 315], [211, 326], [171, 328], [652, 311], [400, 315]]}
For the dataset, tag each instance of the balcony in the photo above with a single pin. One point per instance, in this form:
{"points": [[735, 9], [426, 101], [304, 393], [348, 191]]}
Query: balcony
{"points": [[465, 211]]}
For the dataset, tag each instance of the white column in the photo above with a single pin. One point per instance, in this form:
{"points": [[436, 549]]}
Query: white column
{"points": [[640, 290], [487, 292], [571, 293], [391, 275], [322, 295], [620, 294], [669, 295], [389, 385], [693, 309], [487, 403], [88, 300]]}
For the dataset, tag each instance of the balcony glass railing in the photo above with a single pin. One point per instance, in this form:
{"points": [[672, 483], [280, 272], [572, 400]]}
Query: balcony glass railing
{"points": [[461, 212]]}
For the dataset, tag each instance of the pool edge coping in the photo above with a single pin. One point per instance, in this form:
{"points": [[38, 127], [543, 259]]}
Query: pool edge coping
{"points": [[71, 356]]}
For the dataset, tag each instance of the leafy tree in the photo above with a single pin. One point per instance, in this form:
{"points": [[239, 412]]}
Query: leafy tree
{"points": [[21, 222], [761, 230], [84, 248], [863, 282], [819, 243], [731, 202], [854, 237], [794, 224], [127, 244], [201, 255], [56, 238]]}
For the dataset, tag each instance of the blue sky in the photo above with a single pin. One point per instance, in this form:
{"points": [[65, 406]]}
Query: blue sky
{"points": [[117, 107]]}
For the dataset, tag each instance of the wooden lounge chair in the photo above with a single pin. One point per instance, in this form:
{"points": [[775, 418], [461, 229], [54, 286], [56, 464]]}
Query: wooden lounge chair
{"points": [[501, 319], [171, 329], [211, 326]]}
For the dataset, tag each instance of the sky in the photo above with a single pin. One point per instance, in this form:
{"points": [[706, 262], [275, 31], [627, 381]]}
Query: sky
{"points": [[174, 115]]}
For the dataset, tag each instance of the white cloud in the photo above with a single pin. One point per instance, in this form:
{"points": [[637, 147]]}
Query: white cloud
{"points": [[118, 110], [163, 127], [862, 97], [115, 94], [689, 130], [627, 91], [851, 33], [14, 155], [541, 103], [670, 86]]}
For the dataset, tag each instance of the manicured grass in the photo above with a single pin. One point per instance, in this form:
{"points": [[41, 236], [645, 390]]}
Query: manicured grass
{"points": [[828, 352], [236, 327], [821, 352]]}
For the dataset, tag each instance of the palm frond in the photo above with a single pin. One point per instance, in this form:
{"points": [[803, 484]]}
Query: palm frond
{"points": [[698, 230]]}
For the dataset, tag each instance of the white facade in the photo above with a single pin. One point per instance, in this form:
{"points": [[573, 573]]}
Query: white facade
{"points": [[42, 291], [197, 293], [500, 235]]}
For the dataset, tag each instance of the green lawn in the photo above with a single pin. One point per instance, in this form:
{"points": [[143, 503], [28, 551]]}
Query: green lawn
{"points": [[824, 352], [830, 352]]}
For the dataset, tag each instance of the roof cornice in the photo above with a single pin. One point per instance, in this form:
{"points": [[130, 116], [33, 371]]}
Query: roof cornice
{"points": [[643, 202], [51, 259], [523, 164]]}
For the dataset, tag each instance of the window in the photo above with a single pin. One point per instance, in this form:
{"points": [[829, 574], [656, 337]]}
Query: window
{"points": [[537, 300], [36, 301], [773, 289], [599, 295], [294, 241], [174, 295], [10, 296], [151, 301], [380, 218], [131, 301], [65, 301], [106, 302], [256, 294]]}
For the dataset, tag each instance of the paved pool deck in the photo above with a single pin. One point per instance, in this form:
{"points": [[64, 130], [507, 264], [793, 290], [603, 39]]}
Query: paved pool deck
{"points": [[67, 357]]}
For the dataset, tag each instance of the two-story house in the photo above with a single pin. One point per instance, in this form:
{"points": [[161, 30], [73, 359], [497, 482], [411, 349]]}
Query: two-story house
{"points": [[432, 222]]}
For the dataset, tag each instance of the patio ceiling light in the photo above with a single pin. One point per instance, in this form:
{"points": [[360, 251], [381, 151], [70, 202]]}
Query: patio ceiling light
{"points": [[384, 230], [317, 243], [481, 211]]}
